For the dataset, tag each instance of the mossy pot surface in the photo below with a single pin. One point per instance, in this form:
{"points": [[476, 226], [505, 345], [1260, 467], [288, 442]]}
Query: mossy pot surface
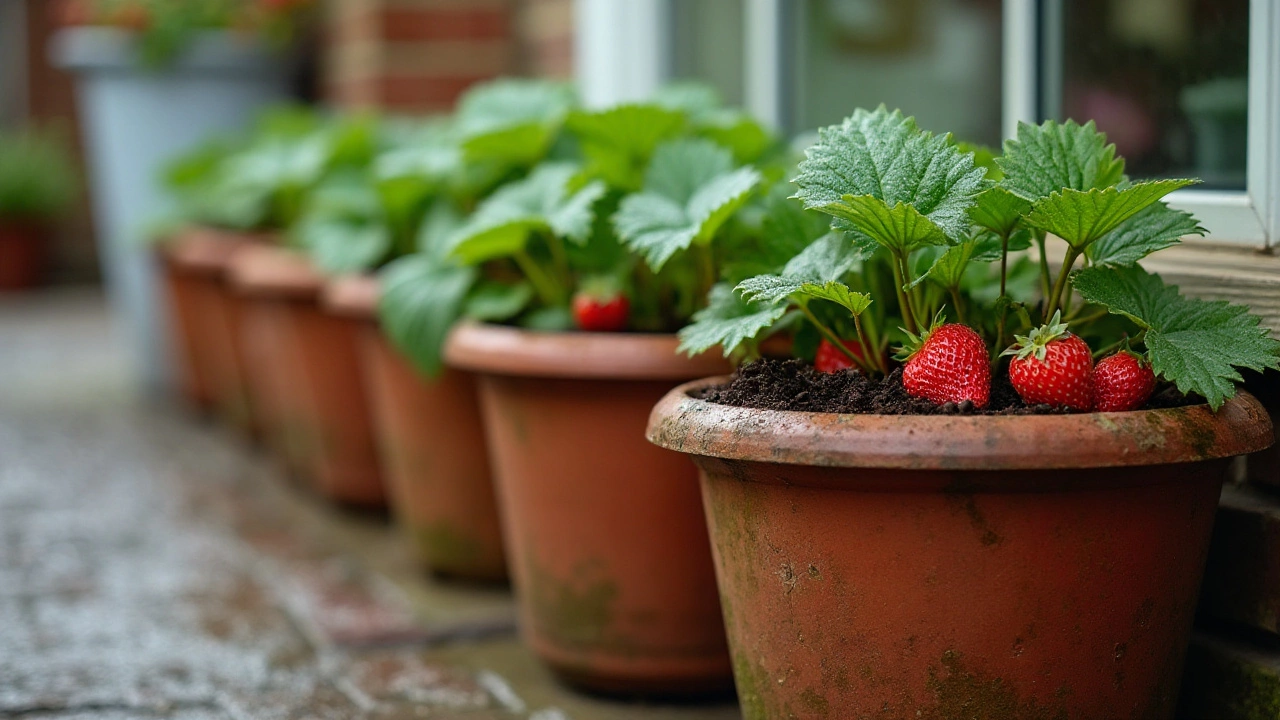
{"points": [[431, 445], [948, 566], [605, 532]]}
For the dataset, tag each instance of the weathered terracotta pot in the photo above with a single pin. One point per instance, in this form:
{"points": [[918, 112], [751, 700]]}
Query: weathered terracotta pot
{"points": [[308, 371], [608, 549], [206, 319], [948, 566], [314, 372], [432, 449], [23, 248]]}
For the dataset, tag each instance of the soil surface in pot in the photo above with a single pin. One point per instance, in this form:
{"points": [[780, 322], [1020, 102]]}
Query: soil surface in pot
{"points": [[772, 384]]}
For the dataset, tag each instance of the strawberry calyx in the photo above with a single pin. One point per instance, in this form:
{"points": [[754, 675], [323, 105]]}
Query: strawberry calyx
{"points": [[1035, 343], [914, 342]]}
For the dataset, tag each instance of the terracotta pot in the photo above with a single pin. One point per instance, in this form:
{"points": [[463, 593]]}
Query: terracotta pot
{"points": [[431, 444], [605, 532], [23, 246], [948, 566], [206, 319], [309, 376]]}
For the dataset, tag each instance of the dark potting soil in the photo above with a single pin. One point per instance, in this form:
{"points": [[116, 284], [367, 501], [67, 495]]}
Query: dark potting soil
{"points": [[772, 384]]}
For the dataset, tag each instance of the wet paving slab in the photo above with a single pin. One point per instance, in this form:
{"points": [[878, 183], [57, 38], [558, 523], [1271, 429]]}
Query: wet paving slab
{"points": [[154, 566]]}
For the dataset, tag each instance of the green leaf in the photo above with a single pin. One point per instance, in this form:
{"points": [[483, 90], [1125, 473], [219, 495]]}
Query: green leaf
{"points": [[1081, 217], [691, 98], [998, 210], [542, 202], [1052, 156], [344, 227], [549, 319], [1196, 344], [948, 270], [728, 321], [619, 142], [828, 258], [497, 302], [690, 190], [738, 131], [892, 181], [513, 121], [838, 293], [421, 300], [901, 227], [439, 224], [1155, 227]]}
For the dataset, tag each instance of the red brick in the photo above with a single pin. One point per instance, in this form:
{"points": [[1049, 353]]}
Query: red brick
{"points": [[424, 93], [427, 24]]}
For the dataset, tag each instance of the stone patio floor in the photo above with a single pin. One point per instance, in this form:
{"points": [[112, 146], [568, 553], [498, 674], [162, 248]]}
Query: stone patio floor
{"points": [[153, 566]]}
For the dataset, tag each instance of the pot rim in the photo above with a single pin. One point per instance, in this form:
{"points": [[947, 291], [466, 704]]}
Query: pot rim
{"points": [[504, 350], [957, 442], [99, 49], [271, 271], [204, 250], [353, 296]]}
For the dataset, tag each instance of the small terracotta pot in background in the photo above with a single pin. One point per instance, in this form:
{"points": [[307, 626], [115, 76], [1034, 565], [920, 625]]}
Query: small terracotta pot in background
{"points": [[206, 318], [953, 566], [605, 533], [24, 246], [431, 443], [311, 370]]}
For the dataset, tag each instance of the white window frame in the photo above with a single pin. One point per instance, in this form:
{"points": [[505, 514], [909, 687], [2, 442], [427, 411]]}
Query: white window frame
{"points": [[623, 54]]}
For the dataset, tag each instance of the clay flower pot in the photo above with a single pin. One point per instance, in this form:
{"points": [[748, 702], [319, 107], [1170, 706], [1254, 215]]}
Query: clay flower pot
{"points": [[608, 548], [307, 371], [949, 566], [23, 246], [205, 316], [431, 444]]}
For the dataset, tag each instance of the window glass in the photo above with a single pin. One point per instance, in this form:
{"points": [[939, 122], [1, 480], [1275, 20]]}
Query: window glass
{"points": [[1165, 79], [707, 40], [938, 60]]}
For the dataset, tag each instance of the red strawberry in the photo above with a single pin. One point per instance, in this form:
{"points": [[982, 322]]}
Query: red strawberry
{"points": [[950, 365], [595, 312], [830, 359], [1122, 382], [1052, 367]]}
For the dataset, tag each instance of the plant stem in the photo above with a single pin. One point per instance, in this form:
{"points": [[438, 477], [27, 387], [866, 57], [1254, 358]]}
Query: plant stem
{"points": [[706, 268], [1058, 286], [871, 352], [1136, 339], [1087, 318], [1004, 306], [548, 290], [559, 256], [833, 338], [1044, 267], [908, 317], [955, 302]]}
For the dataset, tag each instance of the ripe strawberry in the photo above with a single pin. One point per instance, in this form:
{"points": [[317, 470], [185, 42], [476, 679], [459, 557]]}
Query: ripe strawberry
{"points": [[1122, 382], [949, 365], [829, 358], [597, 312], [1052, 367]]}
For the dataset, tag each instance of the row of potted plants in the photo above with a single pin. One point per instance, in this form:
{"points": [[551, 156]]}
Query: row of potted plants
{"points": [[481, 311]]}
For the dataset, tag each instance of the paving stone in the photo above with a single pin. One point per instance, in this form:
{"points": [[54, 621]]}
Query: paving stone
{"points": [[1242, 576], [1230, 680], [152, 567]]}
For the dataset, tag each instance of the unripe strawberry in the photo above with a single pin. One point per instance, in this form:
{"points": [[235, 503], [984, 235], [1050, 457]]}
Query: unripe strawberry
{"points": [[950, 365], [1122, 382], [1052, 367]]}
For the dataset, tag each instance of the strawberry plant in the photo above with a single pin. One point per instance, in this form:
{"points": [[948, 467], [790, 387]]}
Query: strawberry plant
{"points": [[924, 244], [619, 219]]}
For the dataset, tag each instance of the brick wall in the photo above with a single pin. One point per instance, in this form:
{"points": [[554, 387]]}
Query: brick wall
{"points": [[418, 56]]}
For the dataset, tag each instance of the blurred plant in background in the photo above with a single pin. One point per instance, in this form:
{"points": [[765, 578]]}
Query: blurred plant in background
{"points": [[37, 175], [166, 27]]}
